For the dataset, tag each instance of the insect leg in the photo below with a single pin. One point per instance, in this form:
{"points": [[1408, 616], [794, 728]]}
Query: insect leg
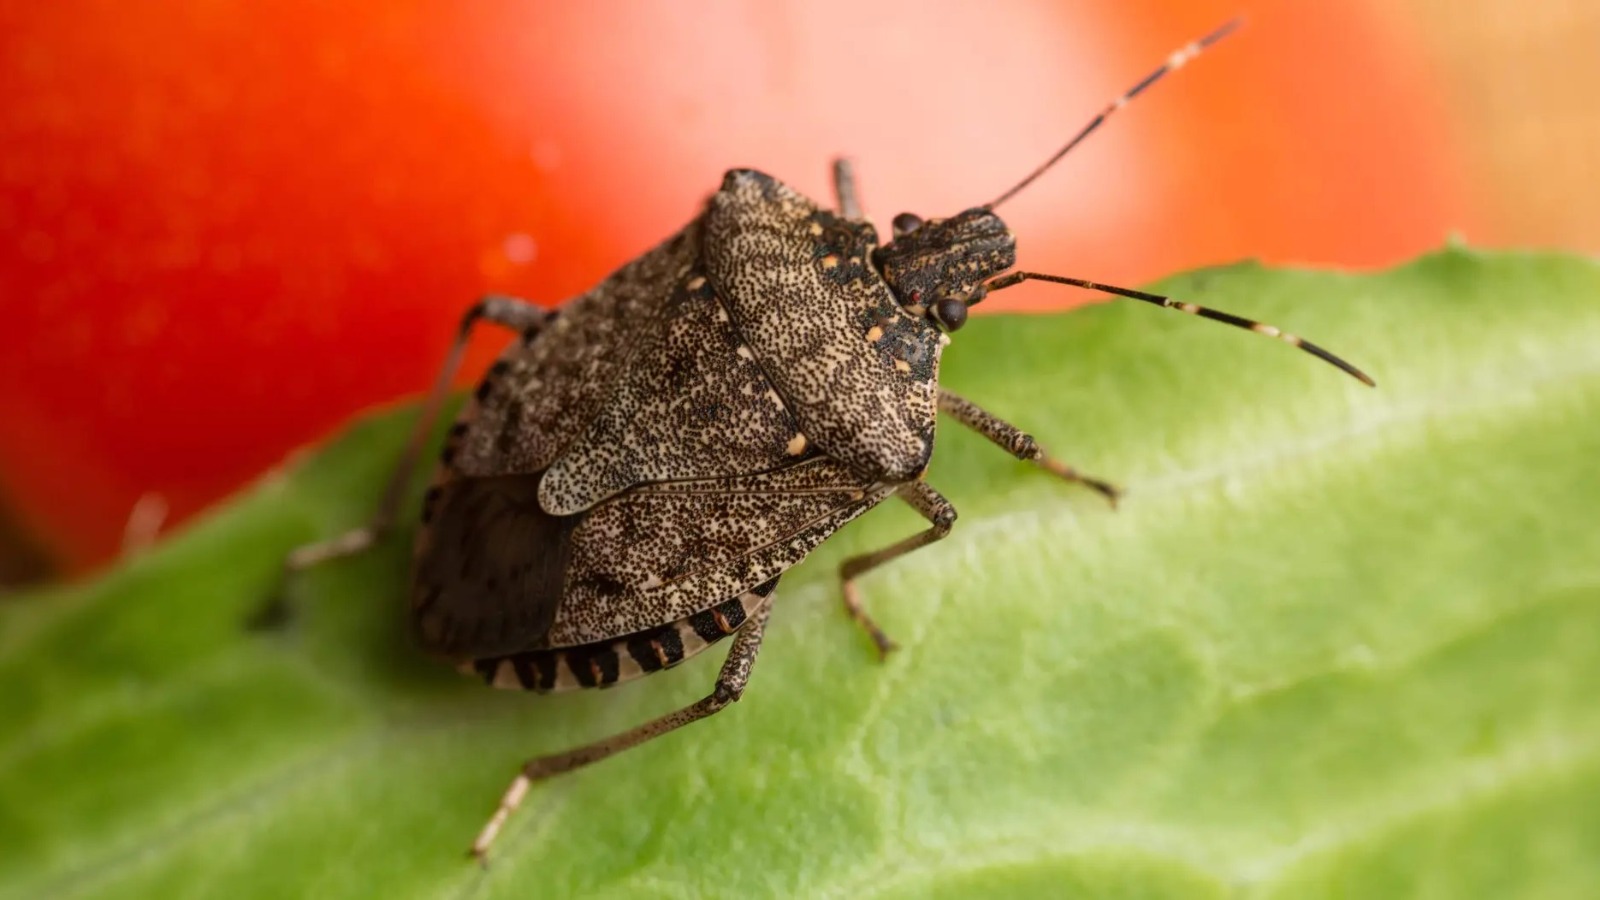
{"points": [[938, 511], [730, 685], [1017, 442], [518, 315], [844, 188]]}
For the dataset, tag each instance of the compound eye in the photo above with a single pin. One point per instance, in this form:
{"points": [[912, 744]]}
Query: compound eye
{"points": [[950, 312], [905, 223]]}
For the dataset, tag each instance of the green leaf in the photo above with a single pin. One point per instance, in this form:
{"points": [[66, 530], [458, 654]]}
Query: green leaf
{"points": [[1336, 642]]}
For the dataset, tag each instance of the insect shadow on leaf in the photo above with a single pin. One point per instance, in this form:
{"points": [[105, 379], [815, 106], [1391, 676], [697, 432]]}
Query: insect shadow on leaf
{"points": [[638, 469]]}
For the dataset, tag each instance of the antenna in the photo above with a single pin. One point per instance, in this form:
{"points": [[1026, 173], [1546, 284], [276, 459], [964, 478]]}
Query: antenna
{"points": [[1174, 62], [1014, 278]]}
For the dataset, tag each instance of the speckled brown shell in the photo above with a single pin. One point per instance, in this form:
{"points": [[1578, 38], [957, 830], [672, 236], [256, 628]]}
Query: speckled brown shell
{"points": [[684, 432]]}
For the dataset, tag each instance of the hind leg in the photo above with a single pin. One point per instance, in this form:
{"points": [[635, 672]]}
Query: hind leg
{"points": [[509, 312], [730, 686], [518, 315]]}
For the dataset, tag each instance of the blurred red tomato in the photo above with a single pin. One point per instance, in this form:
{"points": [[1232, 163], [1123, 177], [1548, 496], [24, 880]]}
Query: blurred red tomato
{"points": [[232, 225]]}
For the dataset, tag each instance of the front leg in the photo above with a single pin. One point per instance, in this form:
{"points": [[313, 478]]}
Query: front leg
{"points": [[1017, 442], [933, 507]]}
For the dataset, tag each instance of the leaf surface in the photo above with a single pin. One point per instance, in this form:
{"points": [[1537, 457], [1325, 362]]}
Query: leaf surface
{"points": [[1336, 642]]}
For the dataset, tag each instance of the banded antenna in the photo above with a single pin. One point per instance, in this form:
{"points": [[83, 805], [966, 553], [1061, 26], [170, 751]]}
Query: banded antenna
{"points": [[1175, 61]]}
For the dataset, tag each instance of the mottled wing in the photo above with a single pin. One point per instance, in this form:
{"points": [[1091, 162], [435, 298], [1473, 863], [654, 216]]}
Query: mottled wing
{"points": [[666, 551], [692, 405], [543, 393], [858, 372], [490, 562], [490, 567]]}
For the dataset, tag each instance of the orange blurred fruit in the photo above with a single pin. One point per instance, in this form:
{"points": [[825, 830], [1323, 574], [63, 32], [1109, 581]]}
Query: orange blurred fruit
{"points": [[233, 225]]}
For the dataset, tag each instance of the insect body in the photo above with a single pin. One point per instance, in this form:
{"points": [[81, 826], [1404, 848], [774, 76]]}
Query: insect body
{"points": [[637, 471]]}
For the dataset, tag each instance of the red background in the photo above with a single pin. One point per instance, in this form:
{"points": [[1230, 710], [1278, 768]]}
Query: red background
{"points": [[230, 226]]}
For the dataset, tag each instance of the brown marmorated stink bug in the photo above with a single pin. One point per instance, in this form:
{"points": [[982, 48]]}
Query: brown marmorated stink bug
{"points": [[640, 467]]}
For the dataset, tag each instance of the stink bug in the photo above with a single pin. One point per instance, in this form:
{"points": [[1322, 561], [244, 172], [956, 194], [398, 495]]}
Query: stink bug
{"points": [[637, 471]]}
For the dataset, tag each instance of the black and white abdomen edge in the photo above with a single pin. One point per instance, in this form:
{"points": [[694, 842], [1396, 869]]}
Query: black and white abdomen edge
{"points": [[606, 663]]}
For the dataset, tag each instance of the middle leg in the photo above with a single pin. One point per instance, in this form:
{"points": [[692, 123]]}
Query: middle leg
{"points": [[939, 513]]}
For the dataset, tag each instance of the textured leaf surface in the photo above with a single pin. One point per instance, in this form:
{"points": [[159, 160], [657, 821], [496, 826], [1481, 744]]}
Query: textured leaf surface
{"points": [[1337, 642]]}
